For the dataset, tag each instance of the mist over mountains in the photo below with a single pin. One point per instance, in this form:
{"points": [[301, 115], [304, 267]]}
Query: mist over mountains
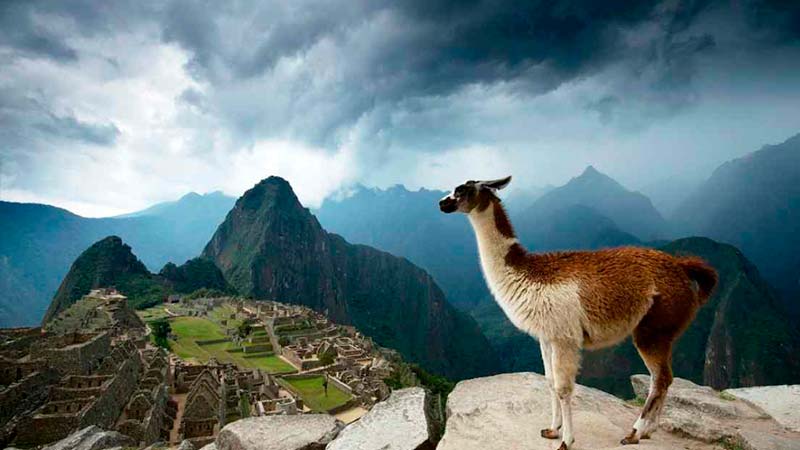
{"points": [[268, 245], [40, 242]]}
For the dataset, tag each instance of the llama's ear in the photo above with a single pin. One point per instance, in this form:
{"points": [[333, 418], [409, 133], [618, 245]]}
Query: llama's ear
{"points": [[497, 184]]}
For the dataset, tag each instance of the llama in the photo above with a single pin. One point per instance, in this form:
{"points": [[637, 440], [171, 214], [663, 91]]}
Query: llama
{"points": [[570, 301]]}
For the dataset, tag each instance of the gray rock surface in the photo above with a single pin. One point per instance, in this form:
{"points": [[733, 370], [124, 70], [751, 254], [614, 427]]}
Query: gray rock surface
{"points": [[781, 402], [710, 416], [402, 422], [211, 446], [508, 411], [683, 394], [186, 445], [92, 438], [298, 432]]}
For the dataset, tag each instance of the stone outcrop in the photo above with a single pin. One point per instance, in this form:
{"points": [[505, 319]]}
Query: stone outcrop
{"points": [[402, 422], [507, 411], [781, 402], [300, 432], [92, 438]]}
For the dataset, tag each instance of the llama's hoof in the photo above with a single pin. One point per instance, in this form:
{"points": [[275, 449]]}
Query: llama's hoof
{"points": [[563, 446], [549, 433], [630, 439]]}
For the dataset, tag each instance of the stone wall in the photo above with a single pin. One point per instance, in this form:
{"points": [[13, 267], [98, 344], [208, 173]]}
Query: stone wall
{"points": [[107, 408], [26, 394], [78, 358]]}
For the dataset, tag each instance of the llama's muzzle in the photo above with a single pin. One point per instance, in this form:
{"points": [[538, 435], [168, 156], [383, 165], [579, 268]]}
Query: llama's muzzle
{"points": [[448, 204]]}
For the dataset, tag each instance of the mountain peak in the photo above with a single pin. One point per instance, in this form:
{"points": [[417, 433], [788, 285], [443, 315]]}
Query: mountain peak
{"points": [[103, 264], [271, 192], [590, 170]]}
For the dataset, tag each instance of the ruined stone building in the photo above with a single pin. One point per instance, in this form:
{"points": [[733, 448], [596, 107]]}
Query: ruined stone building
{"points": [[81, 369]]}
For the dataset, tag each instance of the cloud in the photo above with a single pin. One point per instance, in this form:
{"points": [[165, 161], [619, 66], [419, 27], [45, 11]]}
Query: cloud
{"points": [[122, 105]]}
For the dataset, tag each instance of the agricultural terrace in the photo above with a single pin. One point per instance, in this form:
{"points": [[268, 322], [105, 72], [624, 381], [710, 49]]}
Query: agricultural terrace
{"points": [[198, 339], [312, 392]]}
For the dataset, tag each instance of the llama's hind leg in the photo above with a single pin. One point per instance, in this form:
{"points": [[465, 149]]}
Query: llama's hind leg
{"points": [[555, 404], [565, 364], [657, 355]]}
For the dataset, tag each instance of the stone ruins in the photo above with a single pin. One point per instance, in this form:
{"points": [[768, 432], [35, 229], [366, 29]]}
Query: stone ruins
{"points": [[94, 364]]}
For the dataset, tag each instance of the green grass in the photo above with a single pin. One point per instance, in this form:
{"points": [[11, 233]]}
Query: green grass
{"points": [[196, 328], [271, 364], [312, 393], [189, 330], [726, 396], [638, 401]]}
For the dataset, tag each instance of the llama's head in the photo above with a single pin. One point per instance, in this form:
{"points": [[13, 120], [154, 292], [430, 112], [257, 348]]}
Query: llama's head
{"points": [[471, 195]]}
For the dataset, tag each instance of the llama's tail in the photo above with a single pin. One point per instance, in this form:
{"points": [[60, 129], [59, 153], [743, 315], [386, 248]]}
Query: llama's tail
{"points": [[702, 273]]}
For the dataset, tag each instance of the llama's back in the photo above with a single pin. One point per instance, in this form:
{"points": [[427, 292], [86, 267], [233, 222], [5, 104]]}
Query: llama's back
{"points": [[618, 286]]}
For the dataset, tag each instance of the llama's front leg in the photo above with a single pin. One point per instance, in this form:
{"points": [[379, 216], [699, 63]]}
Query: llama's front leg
{"points": [[566, 361], [555, 404]]}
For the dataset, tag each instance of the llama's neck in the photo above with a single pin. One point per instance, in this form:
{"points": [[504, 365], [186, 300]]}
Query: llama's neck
{"points": [[495, 238]]}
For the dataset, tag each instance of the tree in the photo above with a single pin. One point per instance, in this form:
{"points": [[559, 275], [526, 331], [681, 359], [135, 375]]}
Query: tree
{"points": [[244, 330], [326, 359], [161, 330]]}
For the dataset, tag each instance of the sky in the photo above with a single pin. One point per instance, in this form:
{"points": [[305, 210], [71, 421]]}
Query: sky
{"points": [[107, 107]]}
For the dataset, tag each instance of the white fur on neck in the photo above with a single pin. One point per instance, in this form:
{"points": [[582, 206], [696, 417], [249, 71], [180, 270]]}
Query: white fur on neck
{"points": [[545, 310]]}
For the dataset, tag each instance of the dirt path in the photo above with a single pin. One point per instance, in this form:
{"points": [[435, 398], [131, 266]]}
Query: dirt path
{"points": [[174, 434]]}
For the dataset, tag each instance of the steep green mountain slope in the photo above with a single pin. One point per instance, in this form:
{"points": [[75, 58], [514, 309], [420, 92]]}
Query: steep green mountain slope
{"points": [[106, 263], [194, 274], [754, 203], [39, 242], [269, 246], [110, 262], [409, 224]]}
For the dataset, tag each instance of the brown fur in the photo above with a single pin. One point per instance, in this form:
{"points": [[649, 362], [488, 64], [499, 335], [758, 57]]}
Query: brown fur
{"points": [[628, 290]]}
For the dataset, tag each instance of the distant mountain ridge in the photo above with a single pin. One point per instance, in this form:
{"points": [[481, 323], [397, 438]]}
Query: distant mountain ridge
{"points": [[270, 246], [39, 242], [753, 202], [632, 211]]}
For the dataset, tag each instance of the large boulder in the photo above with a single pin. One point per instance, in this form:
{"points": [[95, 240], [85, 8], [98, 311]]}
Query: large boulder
{"points": [[402, 422], [92, 438], [710, 416], [296, 432], [781, 402], [507, 411]]}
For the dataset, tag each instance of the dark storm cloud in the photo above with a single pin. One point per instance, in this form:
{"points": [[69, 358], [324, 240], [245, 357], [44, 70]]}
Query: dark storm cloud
{"points": [[435, 48]]}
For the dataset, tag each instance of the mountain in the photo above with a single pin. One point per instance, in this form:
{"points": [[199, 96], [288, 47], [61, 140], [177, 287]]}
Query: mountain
{"points": [[740, 337], [107, 262], [574, 227], [409, 224], [39, 242], [194, 274], [631, 211], [270, 246], [174, 231], [754, 203], [198, 206], [110, 262]]}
